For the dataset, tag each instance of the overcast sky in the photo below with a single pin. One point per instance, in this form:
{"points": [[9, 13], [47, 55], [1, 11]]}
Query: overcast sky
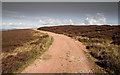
{"points": [[37, 14]]}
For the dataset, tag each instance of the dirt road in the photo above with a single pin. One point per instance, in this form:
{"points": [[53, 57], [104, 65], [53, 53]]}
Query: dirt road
{"points": [[64, 56]]}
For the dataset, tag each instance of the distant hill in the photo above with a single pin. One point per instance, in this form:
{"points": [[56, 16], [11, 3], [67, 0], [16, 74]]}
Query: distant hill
{"points": [[7, 29]]}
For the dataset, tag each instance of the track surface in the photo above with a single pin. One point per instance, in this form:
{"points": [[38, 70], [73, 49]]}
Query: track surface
{"points": [[65, 55]]}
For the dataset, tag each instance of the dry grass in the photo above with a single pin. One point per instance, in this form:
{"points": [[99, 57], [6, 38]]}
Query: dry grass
{"points": [[91, 31], [21, 47], [107, 54], [103, 42], [15, 38]]}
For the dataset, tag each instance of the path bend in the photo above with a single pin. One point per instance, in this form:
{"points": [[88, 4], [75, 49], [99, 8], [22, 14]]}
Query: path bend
{"points": [[65, 55]]}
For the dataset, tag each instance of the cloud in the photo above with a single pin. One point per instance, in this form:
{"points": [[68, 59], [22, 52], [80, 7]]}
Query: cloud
{"points": [[46, 20], [7, 13], [99, 19], [20, 25], [53, 21], [49, 21], [35, 22]]}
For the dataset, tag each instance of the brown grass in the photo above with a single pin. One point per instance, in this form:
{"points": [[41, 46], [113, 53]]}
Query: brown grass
{"points": [[15, 38], [21, 47], [92, 31], [103, 43]]}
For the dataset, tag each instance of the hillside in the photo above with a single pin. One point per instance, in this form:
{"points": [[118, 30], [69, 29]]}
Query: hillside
{"points": [[103, 43], [91, 31], [22, 47]]}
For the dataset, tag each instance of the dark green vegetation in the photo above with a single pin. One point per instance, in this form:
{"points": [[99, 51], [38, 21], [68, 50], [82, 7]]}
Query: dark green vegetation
{"points": [[103, 43], [22, 47]]}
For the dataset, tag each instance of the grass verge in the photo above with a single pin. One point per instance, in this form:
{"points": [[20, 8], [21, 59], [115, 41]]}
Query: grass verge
{"points": [[104, 55], [30, 61]]}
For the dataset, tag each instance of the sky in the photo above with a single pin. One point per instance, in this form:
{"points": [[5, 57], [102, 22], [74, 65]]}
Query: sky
{"points": [[20, 15]]}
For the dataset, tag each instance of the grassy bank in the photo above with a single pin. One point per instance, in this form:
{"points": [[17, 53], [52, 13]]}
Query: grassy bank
{"points": [[24, 49]]}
